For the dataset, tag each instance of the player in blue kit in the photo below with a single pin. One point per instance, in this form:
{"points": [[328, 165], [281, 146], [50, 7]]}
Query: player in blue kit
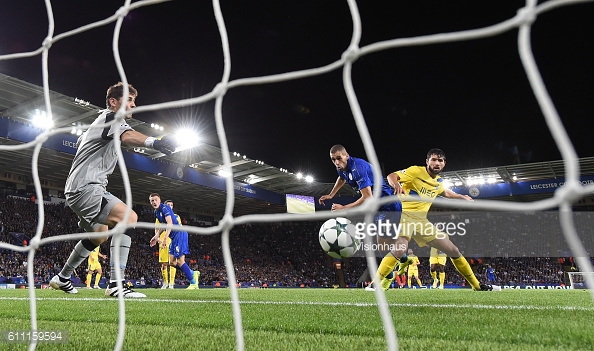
{"points": [[358, 173], [490, 273], [179, 247]]}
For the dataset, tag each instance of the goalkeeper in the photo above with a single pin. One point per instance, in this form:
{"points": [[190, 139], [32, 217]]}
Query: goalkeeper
{"points": [[86, 194]]}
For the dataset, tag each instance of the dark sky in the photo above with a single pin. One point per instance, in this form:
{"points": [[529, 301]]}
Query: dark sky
{"points": [[472, 99]]}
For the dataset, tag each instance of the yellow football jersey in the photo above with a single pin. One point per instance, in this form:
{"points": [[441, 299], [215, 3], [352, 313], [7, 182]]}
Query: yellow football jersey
{"points": [[414, 266], [94, 256], [416, 181]]}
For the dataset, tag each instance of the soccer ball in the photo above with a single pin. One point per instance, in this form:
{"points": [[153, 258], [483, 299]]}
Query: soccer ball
{"points": [[337, 238]]}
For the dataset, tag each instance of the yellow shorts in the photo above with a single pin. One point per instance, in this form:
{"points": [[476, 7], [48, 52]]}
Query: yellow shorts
{"points": [[415, 225], [94, 266], [164, 251], [437, 260], [413, 273]]}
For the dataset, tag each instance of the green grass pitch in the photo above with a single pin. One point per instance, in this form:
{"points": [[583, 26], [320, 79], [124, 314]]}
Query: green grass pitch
{"points": [[310, 319]]}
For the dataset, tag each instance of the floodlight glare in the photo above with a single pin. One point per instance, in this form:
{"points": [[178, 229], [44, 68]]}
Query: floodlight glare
{"points": [[309, 179], [186, 139], [42, 120], [224, 173]]}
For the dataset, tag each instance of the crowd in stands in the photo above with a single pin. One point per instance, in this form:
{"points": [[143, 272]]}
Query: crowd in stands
{"points": [[272, 254]]}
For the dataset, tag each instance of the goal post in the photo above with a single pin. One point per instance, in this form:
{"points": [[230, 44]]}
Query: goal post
{"points": [[577, 280]]}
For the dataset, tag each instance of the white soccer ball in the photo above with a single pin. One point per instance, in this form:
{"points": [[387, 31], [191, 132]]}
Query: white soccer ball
{"points": [[337, 238]]}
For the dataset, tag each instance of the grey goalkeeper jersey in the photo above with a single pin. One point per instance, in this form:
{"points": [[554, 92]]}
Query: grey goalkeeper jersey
{"points": [[96, 156]]}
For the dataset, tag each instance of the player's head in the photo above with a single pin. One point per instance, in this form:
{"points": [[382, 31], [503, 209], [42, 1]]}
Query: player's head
{"points": [[155, 200], [169, 203], [435, 161], [410, 251], [339, 156], [115, 93]]}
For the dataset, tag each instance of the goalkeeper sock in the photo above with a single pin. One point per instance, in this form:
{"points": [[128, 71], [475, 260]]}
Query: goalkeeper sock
{"points": [[386, 267], [125, 243], [441, 278], [89, 277], [464, 268], [81, 251], [97, 279]]}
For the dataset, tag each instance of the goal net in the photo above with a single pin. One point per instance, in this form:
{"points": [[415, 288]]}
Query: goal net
{"points": [[522, 22], [579, 280]]}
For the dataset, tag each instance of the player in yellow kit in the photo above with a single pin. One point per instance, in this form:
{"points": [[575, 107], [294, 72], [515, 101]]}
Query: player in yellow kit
{"points": [[413, 269], [164, 242], [94, 266], [424, 182], [437, 262]]}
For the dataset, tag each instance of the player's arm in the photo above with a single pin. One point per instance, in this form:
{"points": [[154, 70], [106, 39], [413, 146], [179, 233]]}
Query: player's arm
{"points": [[337, 185], [101, 255], [365, 194], [136, 139], [155, 238], [394, 182], [450, 194]]}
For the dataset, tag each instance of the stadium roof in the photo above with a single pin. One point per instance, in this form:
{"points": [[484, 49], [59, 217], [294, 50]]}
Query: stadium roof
{"points": [[18, 99]]}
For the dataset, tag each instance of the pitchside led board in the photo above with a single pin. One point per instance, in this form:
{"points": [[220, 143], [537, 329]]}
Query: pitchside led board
{"points": [[300, 204]]}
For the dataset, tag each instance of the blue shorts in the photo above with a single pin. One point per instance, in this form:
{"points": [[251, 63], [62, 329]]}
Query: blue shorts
{"points": [[179, 245]]}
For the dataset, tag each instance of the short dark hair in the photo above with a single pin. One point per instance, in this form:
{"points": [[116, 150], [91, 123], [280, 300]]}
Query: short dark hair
{"points": [[116, 91], [155, 194], [166, 201], [337, 148], [437, 152]]}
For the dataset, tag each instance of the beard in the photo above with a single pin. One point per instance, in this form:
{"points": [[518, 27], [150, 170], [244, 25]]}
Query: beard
{"points": [[433, 171]]}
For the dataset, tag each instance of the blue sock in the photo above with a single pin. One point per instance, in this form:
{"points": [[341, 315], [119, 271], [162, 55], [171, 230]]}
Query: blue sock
{"points": [[188, 272], [391, 275], [403, 258]]}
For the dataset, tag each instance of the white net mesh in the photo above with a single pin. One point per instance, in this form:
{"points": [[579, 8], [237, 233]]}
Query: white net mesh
{"points": [[524, 20]]}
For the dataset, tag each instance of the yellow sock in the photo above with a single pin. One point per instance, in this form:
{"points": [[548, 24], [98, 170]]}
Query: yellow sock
{"points": [[434, 276], [441, 278], [172, 271], [419, 282], [97, 279], [463, 267], [409, 281], [164, 273], [89, 277], [386, 266]]}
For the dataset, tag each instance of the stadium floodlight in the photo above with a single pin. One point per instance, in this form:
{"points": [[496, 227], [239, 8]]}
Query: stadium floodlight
{"points": [[224, 173], [42, 120], [299, 175], [309, 179], [186, 139]]}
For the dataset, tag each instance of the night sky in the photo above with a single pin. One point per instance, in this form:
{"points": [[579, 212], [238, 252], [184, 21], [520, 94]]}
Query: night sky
{"points": [[472, 99]]}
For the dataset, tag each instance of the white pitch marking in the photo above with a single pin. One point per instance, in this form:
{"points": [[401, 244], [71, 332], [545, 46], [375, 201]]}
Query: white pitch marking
{"points": [[306, 303]]}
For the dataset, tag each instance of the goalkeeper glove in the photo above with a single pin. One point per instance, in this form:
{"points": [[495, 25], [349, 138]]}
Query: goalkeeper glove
{"points": [[165, 145]]}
